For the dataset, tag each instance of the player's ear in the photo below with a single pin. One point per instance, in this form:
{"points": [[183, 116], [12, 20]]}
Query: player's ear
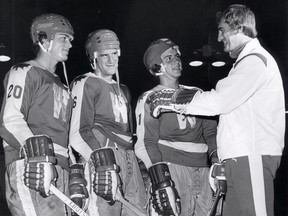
{"points": [[239, 28], [156, 68], [45, 43], [162, 69]]}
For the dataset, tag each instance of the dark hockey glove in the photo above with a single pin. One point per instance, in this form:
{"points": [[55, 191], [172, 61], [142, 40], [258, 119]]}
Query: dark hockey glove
{"points": [[106, 180], [39, 169], [165, 198], [170, 100], [77, 187]]}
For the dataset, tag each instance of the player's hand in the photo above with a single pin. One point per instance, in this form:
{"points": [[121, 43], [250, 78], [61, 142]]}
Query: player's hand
{"points": [[217, 179], [39, 164], [106, 181], [160, 102], [170, 100], [39, 176], [77, 186], [164, 196]]}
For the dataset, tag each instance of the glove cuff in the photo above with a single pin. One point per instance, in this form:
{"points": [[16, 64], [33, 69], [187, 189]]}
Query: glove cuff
{"points": [[160, 175], [76, 175], [103, 159], [103, 156], [39, 149]]}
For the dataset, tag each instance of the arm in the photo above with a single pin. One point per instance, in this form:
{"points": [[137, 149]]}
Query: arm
{"points": [[146, 147], [209, 126], [19, 88], [242, 82], [81, 136], [164, 196], [232, 91]]}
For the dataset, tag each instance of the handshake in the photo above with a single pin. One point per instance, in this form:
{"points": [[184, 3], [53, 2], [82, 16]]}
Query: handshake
{"points": [[170, 100]]}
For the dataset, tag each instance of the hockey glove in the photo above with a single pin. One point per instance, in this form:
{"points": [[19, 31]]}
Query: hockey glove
{"points": [[217, 178], [39, 168], [106, 180], [77, 186], [170, 100], [165, 198]]}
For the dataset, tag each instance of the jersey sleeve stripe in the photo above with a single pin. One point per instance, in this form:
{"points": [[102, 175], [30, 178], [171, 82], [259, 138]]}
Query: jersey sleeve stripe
{"points": [[13, 118]]}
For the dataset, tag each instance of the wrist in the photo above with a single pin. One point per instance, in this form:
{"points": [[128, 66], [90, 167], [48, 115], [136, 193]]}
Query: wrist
{"points": [[213, 157]]}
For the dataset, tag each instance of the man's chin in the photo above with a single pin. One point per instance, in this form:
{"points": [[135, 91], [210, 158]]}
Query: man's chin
{"points": [[226, 50], [111, 71], [64, 58]]}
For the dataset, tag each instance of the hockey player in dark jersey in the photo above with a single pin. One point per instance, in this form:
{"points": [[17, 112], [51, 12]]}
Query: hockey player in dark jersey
{"points": [[101, 130], [175, 148], [35, 117]]}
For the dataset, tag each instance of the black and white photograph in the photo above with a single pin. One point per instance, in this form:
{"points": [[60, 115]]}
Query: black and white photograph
{"points": [[143, 107]]}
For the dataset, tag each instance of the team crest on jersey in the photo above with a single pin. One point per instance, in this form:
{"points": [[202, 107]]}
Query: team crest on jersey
{"points": [[119, 108], [183, 120], [61, 98]]}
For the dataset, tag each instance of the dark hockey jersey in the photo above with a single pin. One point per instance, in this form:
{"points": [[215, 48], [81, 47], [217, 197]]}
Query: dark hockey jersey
{"points": [[184, 140], [35, 102], [100, 115]]}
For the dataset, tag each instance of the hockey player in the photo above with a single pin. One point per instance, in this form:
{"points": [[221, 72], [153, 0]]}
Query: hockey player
{"points": [[175, 148], [101, 130], [250, 102], [35, 119]]}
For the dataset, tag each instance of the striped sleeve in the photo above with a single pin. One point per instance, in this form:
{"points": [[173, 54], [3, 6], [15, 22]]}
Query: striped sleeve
{"points": [[81, 136], [18, 94], [146, 147]]}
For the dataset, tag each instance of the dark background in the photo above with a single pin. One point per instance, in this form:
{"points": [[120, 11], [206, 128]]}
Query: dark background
{"points": [[189, 23]]}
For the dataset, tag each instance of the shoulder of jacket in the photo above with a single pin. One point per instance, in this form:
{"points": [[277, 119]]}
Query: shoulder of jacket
{"points": [[261, 56]]}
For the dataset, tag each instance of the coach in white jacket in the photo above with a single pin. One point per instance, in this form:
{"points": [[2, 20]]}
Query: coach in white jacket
{"points": [[250, 102]]}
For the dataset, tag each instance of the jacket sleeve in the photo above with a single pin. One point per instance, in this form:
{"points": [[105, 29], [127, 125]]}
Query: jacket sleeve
{"points": [[146, 148], [17, 98], [243, 81]]}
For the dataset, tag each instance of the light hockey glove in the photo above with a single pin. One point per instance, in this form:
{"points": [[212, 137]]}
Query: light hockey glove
{"points": [[218, 184], [77, 186], [217, 178], [170, 100], [39, 165], [106, 180], [165, 198]]}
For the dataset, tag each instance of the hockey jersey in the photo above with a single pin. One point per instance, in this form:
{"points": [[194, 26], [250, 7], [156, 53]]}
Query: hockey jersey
{"points": [[184, 140], [101, 115], [35, 102]]}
